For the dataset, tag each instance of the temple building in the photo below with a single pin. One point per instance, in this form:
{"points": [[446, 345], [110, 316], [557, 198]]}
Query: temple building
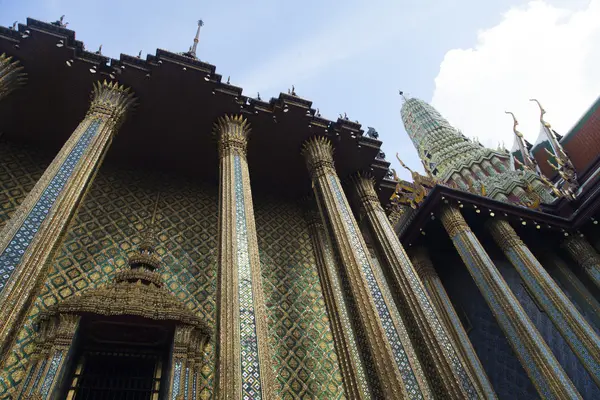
{"points": [[258, 250]]}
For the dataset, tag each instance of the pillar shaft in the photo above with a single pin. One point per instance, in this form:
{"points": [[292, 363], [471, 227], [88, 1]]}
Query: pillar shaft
{"points": [[394, 359], [586, 256], [576, 288], [244, 365], [580, 336], [11, 76], [353, 374], [54, 353], [454, 327], [536, 358], [451, 378], [29, 240]]}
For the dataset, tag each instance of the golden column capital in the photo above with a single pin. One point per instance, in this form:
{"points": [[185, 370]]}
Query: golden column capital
{"points": [[504, 235], [232, 131], [585, 255], [11, 75], [110, 101], [422, 263], [453, 221], [365, 185], [318, 154], [543, 368], [578, 334]]}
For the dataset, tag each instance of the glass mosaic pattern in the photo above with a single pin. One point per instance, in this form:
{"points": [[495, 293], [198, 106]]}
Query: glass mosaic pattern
{"points": [[176, 380], [12, 255], [464, 243], [106, 229], [20, 169], [251, 385], [304, 357], [109, 225], [54, 364], [392, 334], [425, 304]]}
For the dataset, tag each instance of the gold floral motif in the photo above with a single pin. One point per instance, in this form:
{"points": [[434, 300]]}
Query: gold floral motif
{"points": [[11, 75]]}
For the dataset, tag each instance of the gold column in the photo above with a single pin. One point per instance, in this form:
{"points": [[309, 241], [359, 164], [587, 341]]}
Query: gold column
{"points": [[536, 358], [445, 309], [353, 374], [580, 336], [395, 362], [575, 287], [47, 368], [186, 363], [29, 240], [11, 75], [450, 377], [244, 365], [586, 256]]}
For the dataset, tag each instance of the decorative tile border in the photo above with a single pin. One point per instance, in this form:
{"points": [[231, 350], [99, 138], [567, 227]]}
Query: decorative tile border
{"points": [[12, 255], [251, 384], [400, 356]]}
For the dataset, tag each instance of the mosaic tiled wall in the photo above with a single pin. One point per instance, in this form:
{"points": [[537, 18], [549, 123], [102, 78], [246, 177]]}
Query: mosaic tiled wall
{"points": [[303, 351], [20, 168], [107, 228]]}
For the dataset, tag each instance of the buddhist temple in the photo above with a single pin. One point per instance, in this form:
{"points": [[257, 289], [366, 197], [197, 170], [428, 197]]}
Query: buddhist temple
{"points": [[165, 236]]}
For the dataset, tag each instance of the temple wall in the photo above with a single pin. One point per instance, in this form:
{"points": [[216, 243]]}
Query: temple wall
{"points": [[108, 226], [20, 168]]}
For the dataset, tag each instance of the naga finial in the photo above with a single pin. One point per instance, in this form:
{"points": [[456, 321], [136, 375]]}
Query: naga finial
{"points": [[515, 124], [542, 112]]}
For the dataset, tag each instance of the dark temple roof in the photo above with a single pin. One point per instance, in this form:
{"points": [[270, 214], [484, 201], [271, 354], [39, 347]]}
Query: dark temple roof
{"points": [[179, 99]]}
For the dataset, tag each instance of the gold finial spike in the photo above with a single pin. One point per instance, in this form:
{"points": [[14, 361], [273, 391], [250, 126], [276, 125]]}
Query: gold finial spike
{"points": [[515, 123], [542, 111], [196, 39]]}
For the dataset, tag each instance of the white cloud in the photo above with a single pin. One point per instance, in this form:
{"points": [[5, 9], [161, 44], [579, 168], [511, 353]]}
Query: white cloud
{"points": [[537, 51]]}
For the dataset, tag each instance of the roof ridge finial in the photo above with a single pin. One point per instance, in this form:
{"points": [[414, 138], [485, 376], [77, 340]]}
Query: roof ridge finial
{"points": [[192, 51]]}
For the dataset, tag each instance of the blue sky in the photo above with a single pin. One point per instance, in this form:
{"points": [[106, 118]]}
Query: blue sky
{"points": [[346, 56]]}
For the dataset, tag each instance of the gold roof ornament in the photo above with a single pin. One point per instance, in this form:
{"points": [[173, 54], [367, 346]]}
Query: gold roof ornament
{"points": [[565, 168]]}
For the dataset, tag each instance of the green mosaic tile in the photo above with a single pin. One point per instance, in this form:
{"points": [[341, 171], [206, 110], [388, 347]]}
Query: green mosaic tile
{"points": [[302, 344]]}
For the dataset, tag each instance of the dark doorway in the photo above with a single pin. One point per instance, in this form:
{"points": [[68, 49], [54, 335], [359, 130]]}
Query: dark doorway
{"points": [[120, 359]]}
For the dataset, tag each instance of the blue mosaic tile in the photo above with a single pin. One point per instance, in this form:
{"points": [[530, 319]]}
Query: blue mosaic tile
{"points": [[504, 320], [186, 384], [251, 385], [38, 377], [427, 307], [176, 380], [392, 335], [12, 255], [54, 364]]}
